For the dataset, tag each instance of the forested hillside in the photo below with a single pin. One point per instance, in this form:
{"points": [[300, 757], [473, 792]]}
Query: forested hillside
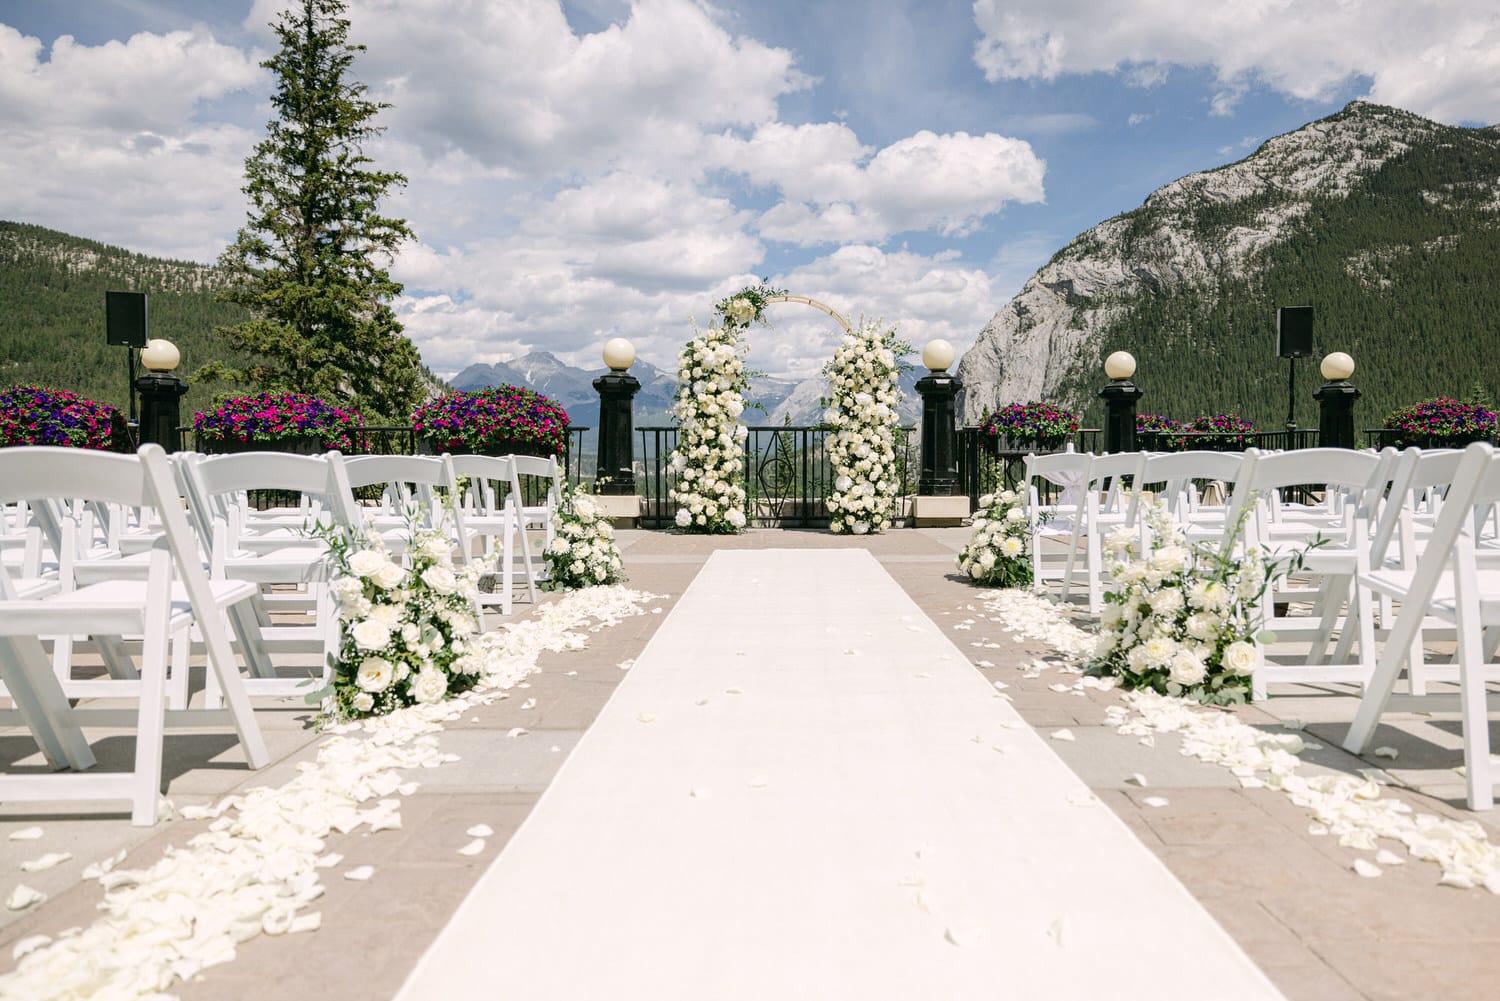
{"points": [[1384, 222], [52, 329]]}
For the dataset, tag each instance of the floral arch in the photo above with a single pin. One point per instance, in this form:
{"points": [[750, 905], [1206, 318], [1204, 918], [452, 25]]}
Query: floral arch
{"points": [[862, 415]]}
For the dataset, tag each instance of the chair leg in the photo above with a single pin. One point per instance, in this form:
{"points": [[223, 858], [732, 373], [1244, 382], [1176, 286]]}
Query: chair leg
{"points": [[1383, 678], [150, 717], [41, 703], [1480, 786]]}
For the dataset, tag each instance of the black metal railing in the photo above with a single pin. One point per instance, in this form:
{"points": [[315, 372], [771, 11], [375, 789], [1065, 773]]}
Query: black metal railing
{"points": [[988, 462], [1224, 441], [787, 474]]}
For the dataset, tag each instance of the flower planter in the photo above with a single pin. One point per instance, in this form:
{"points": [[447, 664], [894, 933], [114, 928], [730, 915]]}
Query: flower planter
{"points": [[299, 445], [428, 446]]}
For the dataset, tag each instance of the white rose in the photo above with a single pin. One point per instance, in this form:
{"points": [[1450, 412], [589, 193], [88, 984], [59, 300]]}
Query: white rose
{"points": [[1187, 669], [736, 517], [440, 579], [1014, 514], [986, 500], [389, 576], [371, 635], [1241, 659], [740, 311], [367, 561], [363, 702], [429, 686], [683, 518], [438, 548], [375, 674]]}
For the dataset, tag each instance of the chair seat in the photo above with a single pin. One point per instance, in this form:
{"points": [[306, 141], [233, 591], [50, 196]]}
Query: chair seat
{"points": [[1443, 604]]}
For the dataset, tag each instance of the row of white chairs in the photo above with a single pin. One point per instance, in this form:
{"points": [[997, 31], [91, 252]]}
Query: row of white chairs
{"points": [[145, 560], [1407, 557]]}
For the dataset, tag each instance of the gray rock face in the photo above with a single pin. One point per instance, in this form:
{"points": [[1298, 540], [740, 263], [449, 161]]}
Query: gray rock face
{"points": [[1057, 325]]}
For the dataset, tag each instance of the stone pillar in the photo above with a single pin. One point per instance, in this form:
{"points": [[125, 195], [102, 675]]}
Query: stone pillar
{"points": [[161, 393], [616, 471]]}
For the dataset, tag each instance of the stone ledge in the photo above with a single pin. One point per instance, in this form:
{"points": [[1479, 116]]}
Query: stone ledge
{"points": [[622, 510], [939, 512]]}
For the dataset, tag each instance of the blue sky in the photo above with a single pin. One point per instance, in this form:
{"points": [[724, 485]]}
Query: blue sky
{"points": [[589, 169]]}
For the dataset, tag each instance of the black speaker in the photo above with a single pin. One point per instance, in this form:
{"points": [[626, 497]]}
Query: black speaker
{"points": [[125, 318], [1294, 335]]}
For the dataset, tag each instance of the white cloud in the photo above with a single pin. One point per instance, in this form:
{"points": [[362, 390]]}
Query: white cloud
{"points": [[103, 140], [512, 84], [835, 192], [1439, 58]]}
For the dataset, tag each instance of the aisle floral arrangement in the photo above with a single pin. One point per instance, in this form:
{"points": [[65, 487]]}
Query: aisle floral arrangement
{"points": [[584, 553], [492, 419], [998, 551], [711, 383], [1032, 423], [1182, 619], [1442, 422], [864, 377], [35, 415], [278, 417], [406, 631]]}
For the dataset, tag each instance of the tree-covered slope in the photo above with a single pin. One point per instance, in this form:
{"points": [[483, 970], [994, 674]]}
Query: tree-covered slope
{"points": [[52, 327], [1387, 224]]}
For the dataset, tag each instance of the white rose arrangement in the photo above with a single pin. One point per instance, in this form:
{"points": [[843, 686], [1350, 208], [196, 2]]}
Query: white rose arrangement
{"points": [[583, 551], [998, 553], [862, 413], [407, 628], [1183, 619], [708, 460]]}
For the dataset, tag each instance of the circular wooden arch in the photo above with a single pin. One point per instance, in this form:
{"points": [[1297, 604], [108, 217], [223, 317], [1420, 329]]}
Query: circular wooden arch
{"points": [[815, 304]]}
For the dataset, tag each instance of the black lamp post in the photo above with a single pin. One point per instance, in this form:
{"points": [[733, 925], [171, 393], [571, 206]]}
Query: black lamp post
{"points": [[1336, 402], [1120, 396], [161, 393], [616, 471], [938, 390]]}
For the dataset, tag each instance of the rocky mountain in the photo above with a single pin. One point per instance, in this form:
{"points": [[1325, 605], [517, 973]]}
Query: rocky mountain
{"points": [[1386, 223], [769, 401]]}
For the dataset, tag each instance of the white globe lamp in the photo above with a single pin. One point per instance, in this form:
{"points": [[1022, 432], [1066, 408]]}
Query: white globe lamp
{"points": [[1337, 367], [160, 355], [619, 354], [1120, 365], [937, 355]]}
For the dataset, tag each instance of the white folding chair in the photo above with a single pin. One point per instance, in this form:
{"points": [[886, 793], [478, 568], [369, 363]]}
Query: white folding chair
{"points": [[411, 484], [487, 517], [1178, 475], [293, 577], [1332, 567], [174, 596], [1452, 583], [1063, 520], [540, 482]]}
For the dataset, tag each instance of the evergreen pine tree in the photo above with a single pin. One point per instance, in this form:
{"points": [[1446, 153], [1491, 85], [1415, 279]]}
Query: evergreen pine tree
{"points": [[312, 261]]}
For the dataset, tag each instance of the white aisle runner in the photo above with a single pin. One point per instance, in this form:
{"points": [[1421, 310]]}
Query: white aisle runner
{"points": [[802, 790]]}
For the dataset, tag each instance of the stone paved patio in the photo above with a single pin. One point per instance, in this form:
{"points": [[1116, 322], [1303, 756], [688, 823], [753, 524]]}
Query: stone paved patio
{"points": [[1289, 898]]}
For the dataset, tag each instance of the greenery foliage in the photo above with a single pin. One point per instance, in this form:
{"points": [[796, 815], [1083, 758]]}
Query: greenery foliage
{"points": [[52, 329], [311, 261]]}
